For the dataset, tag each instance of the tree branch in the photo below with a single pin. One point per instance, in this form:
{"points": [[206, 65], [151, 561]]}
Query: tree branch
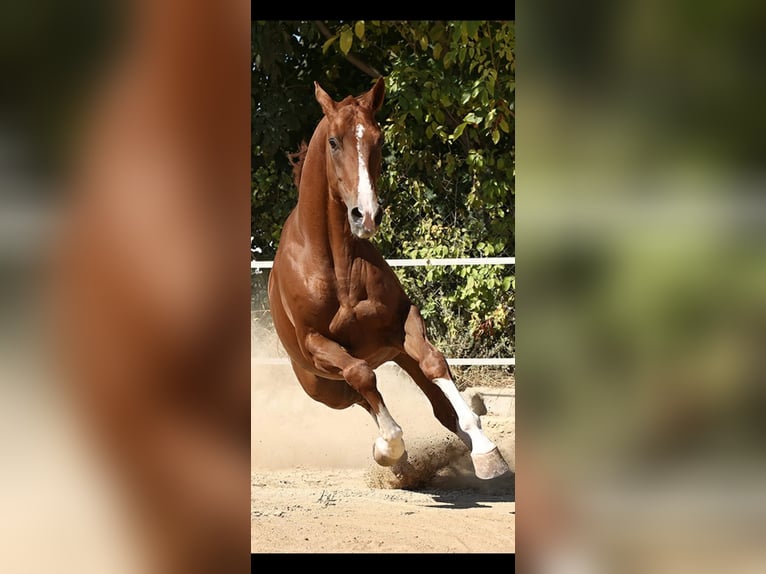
{"points": [[369, 70]]}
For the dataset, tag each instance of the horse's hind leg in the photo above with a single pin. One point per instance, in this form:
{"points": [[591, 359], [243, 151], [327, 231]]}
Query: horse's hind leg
{"points": [[428, 368], [388, 448], [443, 409]]}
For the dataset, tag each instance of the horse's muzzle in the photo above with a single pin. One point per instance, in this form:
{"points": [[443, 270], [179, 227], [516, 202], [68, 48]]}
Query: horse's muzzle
{"points": [[365, 224]]}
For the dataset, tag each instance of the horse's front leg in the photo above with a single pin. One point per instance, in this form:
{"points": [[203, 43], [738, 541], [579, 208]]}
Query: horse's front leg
{"points": [[487, 460], [329, 356]]}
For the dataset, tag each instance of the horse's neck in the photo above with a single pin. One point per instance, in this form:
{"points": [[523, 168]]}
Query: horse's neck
{"points": [[322, 220]]}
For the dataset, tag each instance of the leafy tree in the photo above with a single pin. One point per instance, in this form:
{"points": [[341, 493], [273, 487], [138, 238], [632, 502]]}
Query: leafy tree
{"points": [[449, 161]]}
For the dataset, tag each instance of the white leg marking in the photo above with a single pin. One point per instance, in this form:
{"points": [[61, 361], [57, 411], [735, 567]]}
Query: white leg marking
{"points": [[390, 441], [468, 421], [364, 191]]}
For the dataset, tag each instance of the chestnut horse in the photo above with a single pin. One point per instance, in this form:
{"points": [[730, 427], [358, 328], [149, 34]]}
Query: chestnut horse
{"points": [[338, 308]]}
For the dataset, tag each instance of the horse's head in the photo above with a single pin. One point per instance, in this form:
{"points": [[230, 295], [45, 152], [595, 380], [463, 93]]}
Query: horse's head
{"points": [[353, 145]]}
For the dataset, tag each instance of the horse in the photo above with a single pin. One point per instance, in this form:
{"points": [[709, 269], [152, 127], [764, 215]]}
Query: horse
{"points": [[338, 308]]}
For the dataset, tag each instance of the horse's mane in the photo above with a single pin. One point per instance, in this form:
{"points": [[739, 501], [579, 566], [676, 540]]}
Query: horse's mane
{"points": [[296, 160]]}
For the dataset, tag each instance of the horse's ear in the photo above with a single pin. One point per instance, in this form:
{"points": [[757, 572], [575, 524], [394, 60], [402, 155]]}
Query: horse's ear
{"points": [[327, 103], [374, 98]]}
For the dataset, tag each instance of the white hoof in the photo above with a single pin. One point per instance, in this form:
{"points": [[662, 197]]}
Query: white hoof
{"points": [[489, 465], [388, 453]]}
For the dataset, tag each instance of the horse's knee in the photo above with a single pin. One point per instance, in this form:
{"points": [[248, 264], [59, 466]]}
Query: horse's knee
{"points": [[360, 376], [434, 365]]}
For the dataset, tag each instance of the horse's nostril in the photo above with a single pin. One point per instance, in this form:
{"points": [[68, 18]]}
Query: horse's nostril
{"points": [[378, 216], [356, 214]]}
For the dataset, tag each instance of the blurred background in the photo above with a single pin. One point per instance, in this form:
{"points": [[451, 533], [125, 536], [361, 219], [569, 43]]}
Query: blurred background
{"points": [[51, 498], [641, 299], [124, 291]]}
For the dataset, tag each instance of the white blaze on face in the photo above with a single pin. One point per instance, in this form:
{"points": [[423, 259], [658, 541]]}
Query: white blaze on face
{"points": [[365, 197]]}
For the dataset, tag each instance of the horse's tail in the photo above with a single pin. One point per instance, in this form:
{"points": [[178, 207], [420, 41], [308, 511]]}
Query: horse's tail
{"points": [[296, 160]]}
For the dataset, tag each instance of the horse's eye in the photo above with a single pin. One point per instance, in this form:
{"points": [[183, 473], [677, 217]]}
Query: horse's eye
{"points": [[333, 143]]}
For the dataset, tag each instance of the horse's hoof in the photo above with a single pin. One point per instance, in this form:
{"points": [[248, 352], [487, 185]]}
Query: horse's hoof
{"points": [[386, 454], [489, 465]]}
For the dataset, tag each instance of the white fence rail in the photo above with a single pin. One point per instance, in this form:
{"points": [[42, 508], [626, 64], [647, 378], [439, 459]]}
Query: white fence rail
{"points": [[468, 361]]}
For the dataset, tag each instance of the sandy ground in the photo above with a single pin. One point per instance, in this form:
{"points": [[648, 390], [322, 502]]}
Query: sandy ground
{"points": [[316, 489]]}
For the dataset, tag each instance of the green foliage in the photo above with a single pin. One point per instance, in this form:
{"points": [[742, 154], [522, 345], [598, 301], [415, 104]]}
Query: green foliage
{"points": [[449, 161]]}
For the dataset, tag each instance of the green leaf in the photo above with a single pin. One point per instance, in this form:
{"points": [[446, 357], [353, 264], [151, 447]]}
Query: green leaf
{"points": [[346, 39], [472, 28], [359, 29], [458, 131], [436, 31], [471, 118], [328, 43]]}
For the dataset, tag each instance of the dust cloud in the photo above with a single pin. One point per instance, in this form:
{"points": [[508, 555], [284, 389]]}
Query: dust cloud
{"points": [[289, 429]]}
